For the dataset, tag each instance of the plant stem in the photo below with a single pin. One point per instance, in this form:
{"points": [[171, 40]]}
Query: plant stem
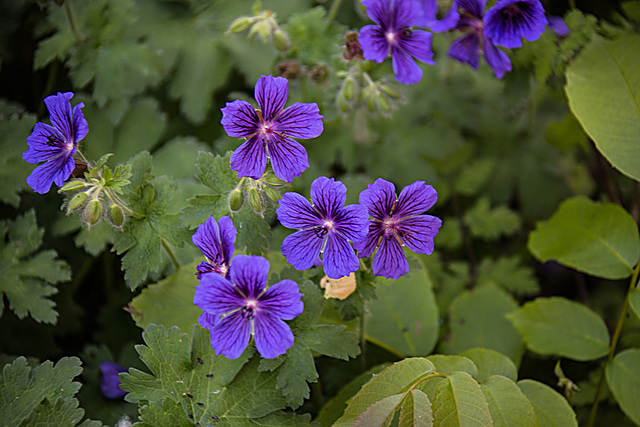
{"points": [[72, 22], [614, 343], [335, 6], [172, 257], [363, 344]]}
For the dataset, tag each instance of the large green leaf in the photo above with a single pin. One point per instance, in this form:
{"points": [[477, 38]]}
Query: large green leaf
{"points": [[490, 362], [563, 327], [459, 401], [598, 239], [623, 378], [603, 86], [507, 404], [634, 301], [552, 410], [404, 318]]}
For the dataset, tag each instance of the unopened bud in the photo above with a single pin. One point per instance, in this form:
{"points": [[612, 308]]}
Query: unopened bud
{"points": [[371, 100], [239, 25], [255, 200], [350, 89], [280, 40], [390, 90], [343, 104], [383, 104], [235, 200], [271, 179], [92, 212], [272, 193], [76, 202], [117, 215], [75, 185]]}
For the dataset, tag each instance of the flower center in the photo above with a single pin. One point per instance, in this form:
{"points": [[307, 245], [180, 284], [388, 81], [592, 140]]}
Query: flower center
{"points": [[323, 230], [391, 226], [248, 311]]}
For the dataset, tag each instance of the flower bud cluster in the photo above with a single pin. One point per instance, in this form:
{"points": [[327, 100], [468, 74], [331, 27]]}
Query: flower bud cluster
{"points": [[258, 193], [262, 24], [359, 90]]}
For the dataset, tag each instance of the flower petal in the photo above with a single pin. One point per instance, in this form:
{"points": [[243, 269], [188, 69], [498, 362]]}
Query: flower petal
{"points": [[430, 17], [271, 94], [418, 45], [496, 58], [45, 143], [405, 67], [302, 248], [110, 383], [338, 257], [378, 10], [288, 158], [389, 260], [328, 196], [55, 170], [300, 121], [404, 13], [375, 46], [239, 119], [207, 239], [217, 295], [249, 274], [418, 232], [231, 335], [208, 321], [473, 7], [80, 125], [273, 336], [282, 300], [352, 222], [250, 159], [466, 49], [414, 199], [366, 247], [379, 198], [60, 112], [296, 212], [510, 20], [228, 235]]}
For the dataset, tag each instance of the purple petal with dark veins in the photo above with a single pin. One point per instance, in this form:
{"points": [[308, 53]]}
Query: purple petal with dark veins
{"points": [[271, 94], [302, 248], [228, 235], [352, 222], [207, 239], [208, 321], [80, 125], [418, 232], [414, 199], [288, 159], [272, 336], [379, 198], [250, 159], [60, 112], [404, 13], [39, 144], [466, 49], [296, 212], [282, 300], [418, 45], [474, 7], [368, 245], [231, 335], [239, 119], [338, 258], [217, 295], [300, 121], [389, 260], [378, 10], [328, 196], [405, 67], [250, 274], [375, 46], [430, 20], [510, 20], [496, 58], [55, 170]]}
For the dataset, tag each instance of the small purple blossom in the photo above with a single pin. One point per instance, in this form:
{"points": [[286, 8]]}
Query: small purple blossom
{"points": [[268, 131], [239, 306], [558, 25], [110, 384], [394, 35], [216, 241], [430, 19], [55, 145], [397, 222], [509, 21], [325, 227]]}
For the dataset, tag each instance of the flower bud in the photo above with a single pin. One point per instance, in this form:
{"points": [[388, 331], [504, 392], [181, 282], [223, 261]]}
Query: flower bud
{"points": [[383, 104], [235, 200], [255, 200], [350, 89], [280, 40], [272, 193], [239, 25], [117, 215], [271, 179], [390, 90], [76, 202], [92, 212], [343, 104], [74, 185]]}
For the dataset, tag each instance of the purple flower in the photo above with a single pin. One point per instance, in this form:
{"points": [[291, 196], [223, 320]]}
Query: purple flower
{"points": [[396, 223], [55, 144], [467, 48], [239, 306], [430, 19], [326, 226], [216, 241], [110, 384], [394, 35], [509, 21], [268, 131], [558, 25]]}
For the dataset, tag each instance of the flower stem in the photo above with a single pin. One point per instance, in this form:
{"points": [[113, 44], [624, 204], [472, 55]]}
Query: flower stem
{"points": [[335, 6], [614, 343], [72, 22], [172, 257]]}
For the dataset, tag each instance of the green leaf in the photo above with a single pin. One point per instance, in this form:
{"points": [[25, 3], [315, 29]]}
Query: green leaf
{"points": [[552, 410], [507, 404], [491, 224], [27, 276], [491, 362], [474, 176], [63, 412], [595, 238], [393, 380], [623, 378], [563, 327], [459, 401], [477, 319], [448, 365], [603, 87], [404, 318], [380, 413], [313, 37], [634, 301], [15, 127], [416, 410], [509, 274]]}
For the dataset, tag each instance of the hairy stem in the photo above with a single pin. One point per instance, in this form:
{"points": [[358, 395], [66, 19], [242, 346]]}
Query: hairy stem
{"points": [[72, 22], [172, 257]]}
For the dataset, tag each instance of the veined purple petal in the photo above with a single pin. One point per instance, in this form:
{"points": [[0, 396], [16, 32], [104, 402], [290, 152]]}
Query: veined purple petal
{"points": [[466, 49], [80, 125], [430, 20], [379, 198], [288, 158], [60, 112], [45, 143], [302, 248], [510, 20], [366, 247], [272, 336], [296, 212], [473, 7], [418, 232], [418, 45], [405, 67], [216, 295], [300, 121], [378, 11], [375, 46], [250, 274], [207, 239], [338, 258], [250, 159], [228, 235], [352, 222], [231, 335], [414, 199], [239, 119], [55, 170], [496, 58], [208, 321], [405, 13], [282, 300], [271, 94], [328, 196], [389, 260]]}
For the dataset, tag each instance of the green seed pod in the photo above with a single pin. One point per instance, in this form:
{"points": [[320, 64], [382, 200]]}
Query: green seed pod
{"points": [[371, 97], [117, 215], [239, 25], [235, 200], [271, 179], [350, 89], [75, 185], [390, 90], [92, 212], [280, 40], [255, 200], [76, 202], [343, 104], [272, 193]]}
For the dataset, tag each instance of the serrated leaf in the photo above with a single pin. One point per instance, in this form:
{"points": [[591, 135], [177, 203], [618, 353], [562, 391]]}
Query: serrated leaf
{"points": [[380, 413], [490, 362], [313, 36], [509, 274], [603, 87], [95, 240], [595, 238], [477, 319], [447, 365], [563, 327], [507, 404], [416, 410], [623, 379], [474, 176], [459, 401], [489, 223], [552, 410], [27, 276], [63, 412]]}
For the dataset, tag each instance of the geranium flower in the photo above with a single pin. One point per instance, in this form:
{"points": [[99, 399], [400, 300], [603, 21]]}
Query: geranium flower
{"points": [[397, 222], [110, 383], [509, 21], [393, 35], [326, 226], [55, 144], [268, 131], [239, 306], [430, 19], [216, 241]]}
